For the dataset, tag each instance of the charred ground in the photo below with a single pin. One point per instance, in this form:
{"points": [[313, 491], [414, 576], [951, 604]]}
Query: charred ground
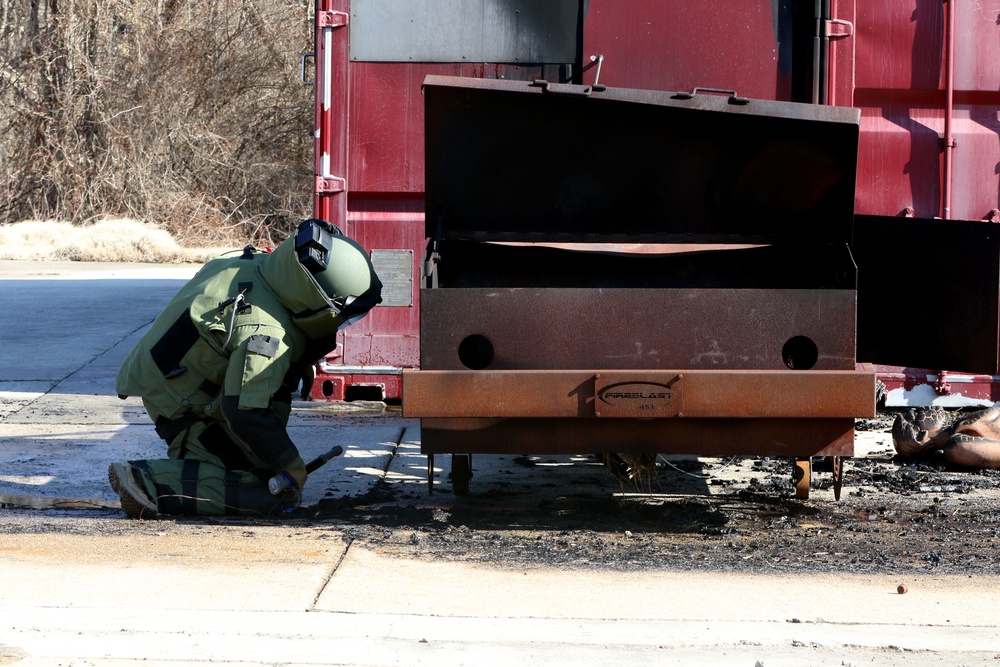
{"points": [[718, 514], [729, 515]]}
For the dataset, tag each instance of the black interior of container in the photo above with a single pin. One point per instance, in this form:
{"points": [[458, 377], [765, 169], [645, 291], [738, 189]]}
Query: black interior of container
{"points": [[518, 164], [786, 266], [928, 293]]}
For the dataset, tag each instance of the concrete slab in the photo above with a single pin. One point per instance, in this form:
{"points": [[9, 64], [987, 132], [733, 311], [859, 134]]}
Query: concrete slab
{"points": [[169, 638], [66, 460], [265, 568], [16, 395], [159, 599], [44, 458], [430, 587], [57, 328], [302, 596]]}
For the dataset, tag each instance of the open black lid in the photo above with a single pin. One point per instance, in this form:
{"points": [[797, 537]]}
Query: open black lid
{"points": [[533, 161]]}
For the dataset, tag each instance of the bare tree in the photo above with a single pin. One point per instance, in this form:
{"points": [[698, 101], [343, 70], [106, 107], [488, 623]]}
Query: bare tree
{"points": [[191, 117]]}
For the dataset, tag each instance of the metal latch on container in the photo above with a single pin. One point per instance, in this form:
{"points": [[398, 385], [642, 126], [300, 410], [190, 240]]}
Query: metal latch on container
{"points": [[331, 19], [837, 28], [329, 185], [733, 97]]}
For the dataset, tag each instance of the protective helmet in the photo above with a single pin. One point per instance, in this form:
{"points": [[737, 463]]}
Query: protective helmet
{"points": [[340, 267]]}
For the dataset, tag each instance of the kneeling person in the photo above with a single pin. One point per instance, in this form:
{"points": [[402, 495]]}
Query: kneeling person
{"points": [[217, 367]]}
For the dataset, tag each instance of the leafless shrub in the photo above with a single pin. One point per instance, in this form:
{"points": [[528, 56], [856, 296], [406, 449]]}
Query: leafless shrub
{"points": [[187, 115]]}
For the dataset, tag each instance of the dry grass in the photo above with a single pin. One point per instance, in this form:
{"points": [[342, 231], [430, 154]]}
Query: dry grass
{"points": [[188, 115], [109, 240]]}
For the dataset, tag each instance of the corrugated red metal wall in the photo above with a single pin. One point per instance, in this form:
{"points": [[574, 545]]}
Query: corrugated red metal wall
{"points": [[683, 45], [895, 68]]}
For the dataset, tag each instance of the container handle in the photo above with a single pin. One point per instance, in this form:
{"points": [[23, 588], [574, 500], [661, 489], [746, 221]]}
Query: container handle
{"points": [[305, 57], [567, 88], [733, 97]]}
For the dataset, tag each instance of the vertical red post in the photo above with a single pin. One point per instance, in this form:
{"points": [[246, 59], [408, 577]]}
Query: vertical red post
{"points": [[840, 60], [332, 106], [948, 141]]}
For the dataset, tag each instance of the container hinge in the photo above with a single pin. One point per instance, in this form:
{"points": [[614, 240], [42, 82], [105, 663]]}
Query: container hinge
{"points": [[331, 19], [329, 185], [431, 260], [837, 28]]}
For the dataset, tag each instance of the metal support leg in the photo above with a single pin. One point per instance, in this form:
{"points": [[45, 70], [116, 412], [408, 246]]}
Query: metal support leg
{"points": [[461, 473], [430, 474], [802, 477], [838, 476]]}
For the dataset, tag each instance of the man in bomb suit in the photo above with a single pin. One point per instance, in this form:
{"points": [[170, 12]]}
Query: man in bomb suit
{"points": [[217, 367]]}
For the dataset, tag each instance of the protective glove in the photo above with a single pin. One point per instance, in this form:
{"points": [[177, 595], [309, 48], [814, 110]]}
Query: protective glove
{"points": [[297, 471]]}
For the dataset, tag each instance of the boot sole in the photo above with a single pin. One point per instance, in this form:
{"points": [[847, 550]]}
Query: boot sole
{"points": [[134, 507]]}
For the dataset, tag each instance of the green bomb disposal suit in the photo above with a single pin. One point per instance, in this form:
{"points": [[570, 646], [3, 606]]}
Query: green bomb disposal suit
{"points": [[217, 367]]}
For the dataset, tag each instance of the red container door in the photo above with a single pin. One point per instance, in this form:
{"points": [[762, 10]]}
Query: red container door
{"points": [[926, 76]]}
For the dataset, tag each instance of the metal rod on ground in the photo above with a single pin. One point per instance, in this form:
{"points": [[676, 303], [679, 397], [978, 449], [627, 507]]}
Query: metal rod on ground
{"points": [[280, 482]]}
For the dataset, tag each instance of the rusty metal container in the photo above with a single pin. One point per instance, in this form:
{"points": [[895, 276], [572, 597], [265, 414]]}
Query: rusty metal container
{"points": [[615, 270]]}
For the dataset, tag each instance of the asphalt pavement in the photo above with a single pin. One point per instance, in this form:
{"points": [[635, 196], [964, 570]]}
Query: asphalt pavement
{"points": [[76, 591]]}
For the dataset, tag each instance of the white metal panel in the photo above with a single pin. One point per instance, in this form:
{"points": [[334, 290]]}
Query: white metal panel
{"points": [[489, 31]]}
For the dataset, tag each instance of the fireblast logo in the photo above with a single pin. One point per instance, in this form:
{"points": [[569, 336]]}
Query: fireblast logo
{"points": [[623, 392]]}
